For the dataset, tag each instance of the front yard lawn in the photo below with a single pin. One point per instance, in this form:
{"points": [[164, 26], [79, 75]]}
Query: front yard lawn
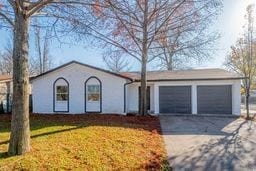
{"points": [[87, 142]]}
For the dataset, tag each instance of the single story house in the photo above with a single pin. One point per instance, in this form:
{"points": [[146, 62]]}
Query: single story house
{"points": [[80, 88]]}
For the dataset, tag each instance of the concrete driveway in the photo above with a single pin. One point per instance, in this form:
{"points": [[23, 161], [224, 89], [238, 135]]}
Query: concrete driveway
{"points": [[209, 143]]}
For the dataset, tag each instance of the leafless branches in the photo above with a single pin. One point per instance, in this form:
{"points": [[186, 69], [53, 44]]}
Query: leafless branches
{"points": [[242, 58], [140, 29], [6, 60], [19, 15], [43, 62], [115, 61]]}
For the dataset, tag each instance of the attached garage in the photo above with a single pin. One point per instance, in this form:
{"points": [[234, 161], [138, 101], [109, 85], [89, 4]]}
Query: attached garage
{"points": [[199, 91], [214, 99], [175, 99]]}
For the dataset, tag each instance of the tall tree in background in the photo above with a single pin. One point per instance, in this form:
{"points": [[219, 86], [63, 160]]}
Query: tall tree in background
{"points": [[136, 27], [6, 60], [6, 63], [17, 15], [43, 62], [189, 42], [37, 65], [242, 58]]}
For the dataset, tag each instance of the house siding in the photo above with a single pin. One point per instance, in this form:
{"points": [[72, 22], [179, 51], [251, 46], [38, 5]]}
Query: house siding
{"points": [[133, 95], [76, 75]]}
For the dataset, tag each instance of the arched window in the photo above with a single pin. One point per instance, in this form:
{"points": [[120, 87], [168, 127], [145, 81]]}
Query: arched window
{"points": [[61, 95], [93, 95]]}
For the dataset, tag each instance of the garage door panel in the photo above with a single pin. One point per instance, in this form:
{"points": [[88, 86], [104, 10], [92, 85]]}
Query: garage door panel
{"points": [[175, 99], [214, 99]]}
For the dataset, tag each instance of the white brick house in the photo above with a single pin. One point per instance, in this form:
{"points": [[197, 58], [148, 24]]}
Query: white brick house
{"points": [[79, 88]]}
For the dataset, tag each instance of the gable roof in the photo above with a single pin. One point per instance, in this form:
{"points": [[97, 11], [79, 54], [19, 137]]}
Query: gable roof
{"points": [[177, 75], [79, 63], [184, 75]]}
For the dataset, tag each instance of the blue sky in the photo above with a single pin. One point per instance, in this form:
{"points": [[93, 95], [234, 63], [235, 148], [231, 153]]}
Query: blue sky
{"points": [[229, 25]]}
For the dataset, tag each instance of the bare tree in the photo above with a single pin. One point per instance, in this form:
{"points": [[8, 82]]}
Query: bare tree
{"points": [[18, 15], [115, 61], [191, 42], [242, 58], [44, 62], [6, 60], [239, 62], [5, 63], [135, 27]]}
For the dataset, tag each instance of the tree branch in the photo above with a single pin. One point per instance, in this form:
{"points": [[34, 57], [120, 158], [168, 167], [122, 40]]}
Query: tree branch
{"points": [[37, 6], [7, 19]]}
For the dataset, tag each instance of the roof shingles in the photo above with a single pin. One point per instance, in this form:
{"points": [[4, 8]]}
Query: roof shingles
{"points": [[194, 74]]}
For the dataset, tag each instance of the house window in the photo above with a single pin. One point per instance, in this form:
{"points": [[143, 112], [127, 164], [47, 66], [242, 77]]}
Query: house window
{"points": [[93, 93], [62, 93]]}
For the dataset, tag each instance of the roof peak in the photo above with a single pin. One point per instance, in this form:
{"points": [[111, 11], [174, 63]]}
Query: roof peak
{"points": [[83, 64]]}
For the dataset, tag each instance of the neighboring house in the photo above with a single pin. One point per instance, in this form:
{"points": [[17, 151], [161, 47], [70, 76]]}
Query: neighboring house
{"points": [[79, 88], [5, 91]]}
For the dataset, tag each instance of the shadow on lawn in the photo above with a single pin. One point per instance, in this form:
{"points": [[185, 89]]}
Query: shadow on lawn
{"points": [[47, 133], [4, 155], [147, 123], [231, 146], [37, 121]]}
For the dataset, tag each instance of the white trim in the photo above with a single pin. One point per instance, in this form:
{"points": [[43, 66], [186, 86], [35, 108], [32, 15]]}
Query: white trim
{"points": [[156, 98], [236, 96], [194, 99]]}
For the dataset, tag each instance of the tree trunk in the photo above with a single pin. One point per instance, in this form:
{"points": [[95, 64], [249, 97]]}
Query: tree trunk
{"points": [[170, 63], [143, 96], [45, 54], [20, 129], [39, 51], [247, 96]]}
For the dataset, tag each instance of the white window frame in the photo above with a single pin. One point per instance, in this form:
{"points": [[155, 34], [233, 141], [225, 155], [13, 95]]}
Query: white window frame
{"points": [[89, 93], [56, 93]]}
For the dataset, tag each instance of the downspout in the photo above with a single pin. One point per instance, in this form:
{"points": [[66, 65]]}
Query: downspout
{"points": [[125, 85]]}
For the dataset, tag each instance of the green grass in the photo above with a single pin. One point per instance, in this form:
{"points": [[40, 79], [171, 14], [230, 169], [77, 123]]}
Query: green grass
{"points": [[87, 142]]}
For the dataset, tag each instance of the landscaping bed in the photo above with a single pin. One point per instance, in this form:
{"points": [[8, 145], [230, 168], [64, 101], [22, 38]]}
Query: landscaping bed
{"points": [[87, 142]]}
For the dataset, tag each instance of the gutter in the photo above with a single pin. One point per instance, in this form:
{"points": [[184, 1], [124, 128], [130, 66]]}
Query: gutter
{"points": [[125, 85], [195, 79]]}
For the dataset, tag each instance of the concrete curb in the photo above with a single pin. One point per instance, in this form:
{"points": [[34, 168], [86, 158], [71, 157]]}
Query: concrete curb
{"points": [[202, 115]]}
